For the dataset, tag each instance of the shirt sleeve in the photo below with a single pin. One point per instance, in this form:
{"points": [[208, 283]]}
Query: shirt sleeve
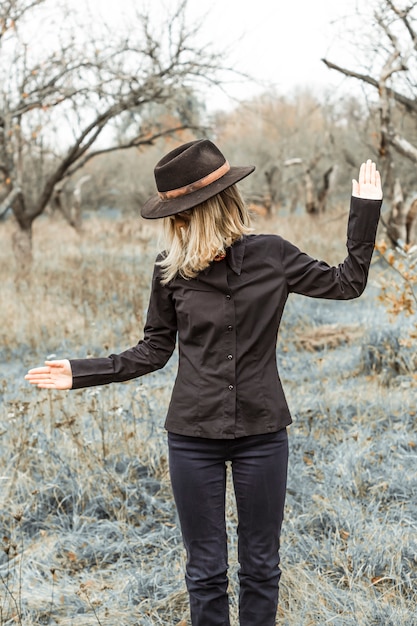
{"points": [[317, 279], [150, 354]]}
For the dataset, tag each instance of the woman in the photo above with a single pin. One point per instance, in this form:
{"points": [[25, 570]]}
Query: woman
{"points": [[223, 291]]}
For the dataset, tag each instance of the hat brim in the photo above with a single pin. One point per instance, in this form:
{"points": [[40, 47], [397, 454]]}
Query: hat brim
{"points": [[155, 208]]}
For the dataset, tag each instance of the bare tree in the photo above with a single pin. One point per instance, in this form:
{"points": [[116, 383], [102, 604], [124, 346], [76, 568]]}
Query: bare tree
{"points": [[67, 81], [67, 198], [401, 226], [391, 72], [290, 138]]}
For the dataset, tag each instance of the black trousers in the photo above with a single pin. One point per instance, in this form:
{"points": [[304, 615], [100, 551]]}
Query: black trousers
{"points": [[198, 476]]}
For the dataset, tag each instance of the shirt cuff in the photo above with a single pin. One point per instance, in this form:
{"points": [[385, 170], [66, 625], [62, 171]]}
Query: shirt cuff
{"points": [[90, 372], [363, 219]]}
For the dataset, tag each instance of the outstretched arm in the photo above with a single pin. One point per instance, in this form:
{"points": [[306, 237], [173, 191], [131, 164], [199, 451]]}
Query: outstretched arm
{"points": [[150, 354], [55, 375], [368, 185], [317, 279]]}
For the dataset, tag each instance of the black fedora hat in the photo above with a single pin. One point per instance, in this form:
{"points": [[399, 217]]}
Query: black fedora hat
{"points": [[189, 175]]}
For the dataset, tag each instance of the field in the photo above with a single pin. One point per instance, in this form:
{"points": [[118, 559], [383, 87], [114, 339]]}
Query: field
{"points": [[88, 527]]}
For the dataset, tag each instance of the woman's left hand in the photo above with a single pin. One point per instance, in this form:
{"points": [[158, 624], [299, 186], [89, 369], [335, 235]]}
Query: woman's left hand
{"points": [[368, 185], [55, 375]]}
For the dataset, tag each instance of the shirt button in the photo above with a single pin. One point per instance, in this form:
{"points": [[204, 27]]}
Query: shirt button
{"points": [[229, 328], [230, 357], [231, 387], [228, 296]]}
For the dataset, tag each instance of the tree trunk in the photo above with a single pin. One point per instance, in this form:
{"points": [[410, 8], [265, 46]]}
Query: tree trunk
{"points": [[311, 205], [411, 223], [22, 249], [396, 227], [270, 176], [22, 238], [324, 191], [67, 198]]}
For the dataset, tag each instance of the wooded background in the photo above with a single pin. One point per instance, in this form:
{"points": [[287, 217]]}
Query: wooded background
{"points": [[86, 109]]}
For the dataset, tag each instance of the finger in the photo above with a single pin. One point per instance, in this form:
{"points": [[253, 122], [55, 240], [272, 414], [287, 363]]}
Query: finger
{"points": [[44, 380], [47, 386], [362, 172], [38, 370], [355, 188], [35, 380], [366, 172], [54, 363], [372, 173], [38, 383], [32, 381]]}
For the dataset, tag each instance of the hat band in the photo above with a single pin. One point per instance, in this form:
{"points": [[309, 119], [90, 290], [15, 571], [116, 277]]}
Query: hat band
{"points": [[198, 184]]}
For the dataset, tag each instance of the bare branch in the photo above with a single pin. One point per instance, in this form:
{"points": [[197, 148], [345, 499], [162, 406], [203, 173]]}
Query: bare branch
{"points": [[10, 199], [402, 145], [410, 105], [12, 12], [134, 143], [403, 15], [56, 104]]}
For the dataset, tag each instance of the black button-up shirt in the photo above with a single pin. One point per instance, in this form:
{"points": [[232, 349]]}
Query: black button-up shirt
{"points": [[227, 321]]}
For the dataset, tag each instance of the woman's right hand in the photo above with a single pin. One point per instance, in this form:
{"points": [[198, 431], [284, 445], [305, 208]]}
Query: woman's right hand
{"points": [[55, 375], [368, 185]]}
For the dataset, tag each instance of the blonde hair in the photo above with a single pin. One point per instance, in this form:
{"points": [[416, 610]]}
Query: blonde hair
{"points": [[214, 225]]}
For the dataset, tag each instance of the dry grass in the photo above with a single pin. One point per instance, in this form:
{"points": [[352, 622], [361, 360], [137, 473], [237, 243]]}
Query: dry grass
{"points": [[76, 283], [88, 526]]}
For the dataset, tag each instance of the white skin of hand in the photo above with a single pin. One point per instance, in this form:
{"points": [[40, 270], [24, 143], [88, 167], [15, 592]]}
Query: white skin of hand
{"points": [[55, 375], [368, 185]]}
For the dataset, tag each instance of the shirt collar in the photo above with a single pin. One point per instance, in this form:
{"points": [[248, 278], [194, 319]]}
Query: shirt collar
{"points": [[234, 257]]}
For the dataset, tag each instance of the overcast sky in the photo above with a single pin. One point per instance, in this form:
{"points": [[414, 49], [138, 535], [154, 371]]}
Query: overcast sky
{"points": [[281, 41], [276, 41]]}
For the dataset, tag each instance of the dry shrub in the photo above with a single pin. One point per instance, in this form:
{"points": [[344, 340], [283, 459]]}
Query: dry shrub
{"points": [[328, 336], [385, 354]]}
